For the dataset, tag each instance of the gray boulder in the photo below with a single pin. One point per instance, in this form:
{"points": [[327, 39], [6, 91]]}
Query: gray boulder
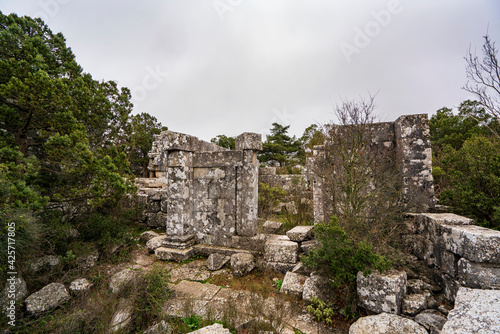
{"points": [[432, 320], [413, 304], [382, 292], [300, 233], [79, 286], [385, 323], [271, 227], [476, 311], [47, 299], [242, 263], [293, 284], [216, 261]]}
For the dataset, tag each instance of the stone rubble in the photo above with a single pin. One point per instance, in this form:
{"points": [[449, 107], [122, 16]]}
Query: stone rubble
{"points": [[48, 298], [385, 323]]}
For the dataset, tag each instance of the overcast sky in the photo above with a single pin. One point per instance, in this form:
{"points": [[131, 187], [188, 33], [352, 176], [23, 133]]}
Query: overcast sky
{"points": [[209, 67]]}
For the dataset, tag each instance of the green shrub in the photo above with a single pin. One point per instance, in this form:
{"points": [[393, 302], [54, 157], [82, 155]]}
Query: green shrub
{"points": [[339, 258]]}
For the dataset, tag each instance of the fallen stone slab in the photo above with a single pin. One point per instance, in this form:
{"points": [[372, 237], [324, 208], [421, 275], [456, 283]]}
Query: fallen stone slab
{"points": [[121, 279], [156, 242], [385, 323], [48, 298], [476, 311], [213, 329], [432, 320], [281, 249], [242, 263], [185, 272], [293, 284], [300, 233], [382, 292], [195, 290], [148, 235], [478, 275], [271, 227], [206, 250], [216, 261], [173, 254]]}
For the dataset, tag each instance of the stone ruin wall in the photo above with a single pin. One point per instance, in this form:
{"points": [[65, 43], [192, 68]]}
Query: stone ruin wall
{"points": [[201, 192], [405, 141]]}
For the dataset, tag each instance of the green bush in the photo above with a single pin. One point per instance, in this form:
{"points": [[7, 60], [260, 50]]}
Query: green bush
{"points": [[340, 258]]}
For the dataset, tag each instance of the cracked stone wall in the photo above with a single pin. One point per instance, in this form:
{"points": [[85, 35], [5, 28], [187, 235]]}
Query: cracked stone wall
{"points": [[201, 192], [405, 141]]}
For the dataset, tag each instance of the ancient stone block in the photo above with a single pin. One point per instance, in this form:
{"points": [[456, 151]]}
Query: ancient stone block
{"points": [[242, 263], [413, 304], [432, 320], [476, 311], [48, 298], [153, 206], [450, 287], [445, 260], [293, 284], [271, 227], [478, 275], [216, 261], [382, 292], [79, 286], [279, 267], [316, 286], [386, 323], [300, 233], [249, 141], [195, 290], [417, 286], [155, 242], [280, 249], [148, 235], [306, 246], [212, 329], [173, 254]]}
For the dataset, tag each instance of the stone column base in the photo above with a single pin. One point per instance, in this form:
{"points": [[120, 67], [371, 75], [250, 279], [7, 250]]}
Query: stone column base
{"points": [[172, 254]]}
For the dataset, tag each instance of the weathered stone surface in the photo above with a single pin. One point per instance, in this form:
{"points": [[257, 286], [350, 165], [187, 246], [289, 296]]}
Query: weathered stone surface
{"points": [[242, 263], [216, 261], [156, 242], [46, 299], [306, 246], [148, 235], [479, 275], [248, 141], [271, 227], [450, 287], [79, 286], [16, 286], [476, 311], [417, 286], [316, 286], [280, 249], [386, 323], [382, 292], [45, 262], [195, 290], [299, 268], [160, 328], [122, 317], [431, 320], [213, 329], [279, 266], [172, 254], [300, 233], [192, 273], [206, 250], [121, 279], [293, 284], [413, 304]]}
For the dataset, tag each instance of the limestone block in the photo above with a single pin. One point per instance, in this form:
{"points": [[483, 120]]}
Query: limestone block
{"points": [[122, 317], [79, 286], [173, 254], [280, 249], [160, 328], [445, 260], [299, 268], [279, 266], [450, 287], [242, 263], [306, 246], [476, 311], [121, 279], [156, 242], [432, 320], [216, 261], [293, 284], [271, 227], [45, 262], [424, 249], [153, 206], [213, 329], [152, 219], [47, 299], [386, 323], [413, 304], [418, 286], [382, 292], [479, 275], [316, 286], [300, 233], [249, 141], [148, 235], [16, 286]]}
